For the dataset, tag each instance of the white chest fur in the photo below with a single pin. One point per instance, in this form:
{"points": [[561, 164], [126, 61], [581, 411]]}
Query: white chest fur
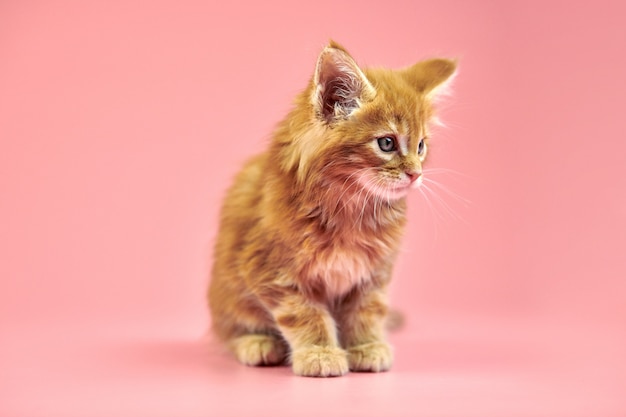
{"points": [[339, 270]]}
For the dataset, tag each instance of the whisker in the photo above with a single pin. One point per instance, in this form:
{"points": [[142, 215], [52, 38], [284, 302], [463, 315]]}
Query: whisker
{"points": [[444, 204], [344, 189], [448, 191], [370, 192], [440, 170], [435, 215]]}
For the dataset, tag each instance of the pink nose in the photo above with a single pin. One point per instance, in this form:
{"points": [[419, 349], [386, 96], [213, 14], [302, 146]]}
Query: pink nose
{"points": [[413, 175]]}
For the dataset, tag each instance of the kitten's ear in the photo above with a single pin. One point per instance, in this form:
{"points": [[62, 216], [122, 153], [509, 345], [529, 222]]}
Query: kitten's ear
{"points": [[339, 85], [431, 77]]}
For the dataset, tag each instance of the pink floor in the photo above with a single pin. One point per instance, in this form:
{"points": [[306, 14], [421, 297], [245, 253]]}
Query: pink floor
{"points": [[457, 367], [122, 123]]}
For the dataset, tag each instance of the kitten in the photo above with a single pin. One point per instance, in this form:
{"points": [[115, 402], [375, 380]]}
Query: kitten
{"points": [[311, 228]]}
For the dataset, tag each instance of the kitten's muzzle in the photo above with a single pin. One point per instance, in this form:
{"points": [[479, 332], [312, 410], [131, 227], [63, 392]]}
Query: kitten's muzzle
{"points": [[414, 176]]}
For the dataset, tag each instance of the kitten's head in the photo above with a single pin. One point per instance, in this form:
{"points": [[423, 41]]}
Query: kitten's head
{"points": [[365, 130]]}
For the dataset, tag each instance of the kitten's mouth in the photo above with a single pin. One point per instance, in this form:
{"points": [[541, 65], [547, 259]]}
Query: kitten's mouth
{"points": [[399, 190], [390, 189]]}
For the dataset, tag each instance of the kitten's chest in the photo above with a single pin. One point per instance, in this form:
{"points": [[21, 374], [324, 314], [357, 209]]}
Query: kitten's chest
{"points": [[340, 267]]}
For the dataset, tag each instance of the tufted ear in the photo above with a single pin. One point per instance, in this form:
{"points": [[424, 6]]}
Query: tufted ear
{"points": [[339, 85], [431, 77]]}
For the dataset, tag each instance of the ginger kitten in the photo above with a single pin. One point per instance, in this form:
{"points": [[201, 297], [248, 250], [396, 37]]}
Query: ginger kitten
{"points": [[311, 228]]}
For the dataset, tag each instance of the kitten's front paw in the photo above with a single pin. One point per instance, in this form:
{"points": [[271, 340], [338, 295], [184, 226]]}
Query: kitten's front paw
{"points": [[320, 361], [259, 349], [370, 357]]}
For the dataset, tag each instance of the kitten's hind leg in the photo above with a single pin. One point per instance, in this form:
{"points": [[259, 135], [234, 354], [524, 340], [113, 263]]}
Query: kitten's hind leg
{"points": [[259, 349]]}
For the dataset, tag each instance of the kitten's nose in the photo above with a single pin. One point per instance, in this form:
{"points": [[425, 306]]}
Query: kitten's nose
{"points": [[413, 175]]}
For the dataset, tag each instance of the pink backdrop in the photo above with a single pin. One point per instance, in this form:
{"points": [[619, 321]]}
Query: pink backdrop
{"points": [[121, 124]]}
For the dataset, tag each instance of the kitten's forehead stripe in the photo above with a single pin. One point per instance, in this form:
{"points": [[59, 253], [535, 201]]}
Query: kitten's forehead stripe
{"points": [[393, 127], [405, 128], [405, 137], [403, 143], [399, 128]]}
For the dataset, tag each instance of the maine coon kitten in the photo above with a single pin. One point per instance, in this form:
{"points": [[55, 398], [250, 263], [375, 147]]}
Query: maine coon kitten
{"points": [[310, 229]]}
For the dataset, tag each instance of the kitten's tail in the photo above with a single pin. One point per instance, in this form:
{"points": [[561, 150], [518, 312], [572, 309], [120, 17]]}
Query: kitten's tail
{"points": [[395, 320]]}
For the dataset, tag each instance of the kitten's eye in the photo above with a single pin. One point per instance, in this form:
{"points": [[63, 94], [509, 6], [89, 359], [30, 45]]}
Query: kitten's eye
{"points": [[387, 144], [420, 147]]}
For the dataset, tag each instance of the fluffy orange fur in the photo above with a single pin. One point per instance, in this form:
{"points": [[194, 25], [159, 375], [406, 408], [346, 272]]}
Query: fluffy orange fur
{"points": [[311, 228]]}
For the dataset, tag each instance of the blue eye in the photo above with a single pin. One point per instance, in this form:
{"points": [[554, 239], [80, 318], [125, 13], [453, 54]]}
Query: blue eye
{"points": [[387, 144], [420, 147]]}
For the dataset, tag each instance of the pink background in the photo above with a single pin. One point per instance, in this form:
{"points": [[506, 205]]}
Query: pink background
{"points": [[122, 123]]}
